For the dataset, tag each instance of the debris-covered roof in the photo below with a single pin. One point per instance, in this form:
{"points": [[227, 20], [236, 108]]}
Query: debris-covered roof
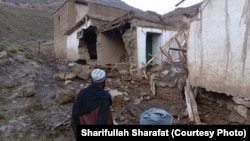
{"points": [[173, 19], [148, 16], [187, 11], [175, 16], [111, 3]]}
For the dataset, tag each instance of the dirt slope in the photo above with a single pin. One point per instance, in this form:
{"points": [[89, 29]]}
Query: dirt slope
{"points": [[20, 25], [28, 105]]}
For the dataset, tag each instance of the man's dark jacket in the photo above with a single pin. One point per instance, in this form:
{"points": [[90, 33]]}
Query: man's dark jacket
{"points": [[89, 99]]}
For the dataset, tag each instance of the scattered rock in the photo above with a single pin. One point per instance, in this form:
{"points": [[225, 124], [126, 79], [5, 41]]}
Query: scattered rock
{"points": [[59, 76], [16, 94], [241, 110], [9, 83], [137, 101], [235, 118], [84, 75], [241, 101], [20, 58], [29, 90], [82, 72], [69, 76], [117, 98], [64, 76], [67, 82], [123, 72], [65, 96], [126, 98], [3, 54], [164, 84]]}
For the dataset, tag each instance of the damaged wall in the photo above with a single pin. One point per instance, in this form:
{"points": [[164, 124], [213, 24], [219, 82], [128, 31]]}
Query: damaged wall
{"points": [[143, 35], [60, 26], [218, 48], [73, 42], [81, 11], [112, 49], [97, 15], [76, 12], [64, 18], [105, 11], [129, 38], [71, 14]]}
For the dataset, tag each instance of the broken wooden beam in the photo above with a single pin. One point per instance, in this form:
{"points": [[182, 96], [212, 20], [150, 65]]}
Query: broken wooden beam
{"points": [[152, 85], [191, 104], [145, 74]]}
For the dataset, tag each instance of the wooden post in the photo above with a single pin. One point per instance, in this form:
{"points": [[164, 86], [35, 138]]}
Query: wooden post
{"points": [[191, 104]]}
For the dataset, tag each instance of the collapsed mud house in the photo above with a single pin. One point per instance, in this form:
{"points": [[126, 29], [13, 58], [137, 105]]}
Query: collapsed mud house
{"points": [[217, 42], [218, 50], [110, 32], [147, 36], [76, 34], [142, 34]]}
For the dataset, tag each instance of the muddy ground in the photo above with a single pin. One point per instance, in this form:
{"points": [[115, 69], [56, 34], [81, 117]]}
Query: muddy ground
{"points": [[29, 106]]}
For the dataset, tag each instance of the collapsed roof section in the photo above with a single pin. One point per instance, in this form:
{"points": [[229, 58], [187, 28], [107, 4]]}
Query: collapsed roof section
{"points": [[93, 16], [123, 23], [175, 20], [182, 17]]}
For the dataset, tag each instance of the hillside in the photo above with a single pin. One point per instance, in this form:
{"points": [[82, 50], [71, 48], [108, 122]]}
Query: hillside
{"points": [[26, 21], [21, 25], [47, 5]]}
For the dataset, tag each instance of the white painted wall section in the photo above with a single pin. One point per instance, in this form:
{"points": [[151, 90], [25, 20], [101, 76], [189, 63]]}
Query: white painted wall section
{"points": [[73, 42], [219, 47], [156, 45]]}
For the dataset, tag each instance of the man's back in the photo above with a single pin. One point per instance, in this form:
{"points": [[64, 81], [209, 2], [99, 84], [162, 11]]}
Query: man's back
{"points": [[93, 103], [91, 118]]}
